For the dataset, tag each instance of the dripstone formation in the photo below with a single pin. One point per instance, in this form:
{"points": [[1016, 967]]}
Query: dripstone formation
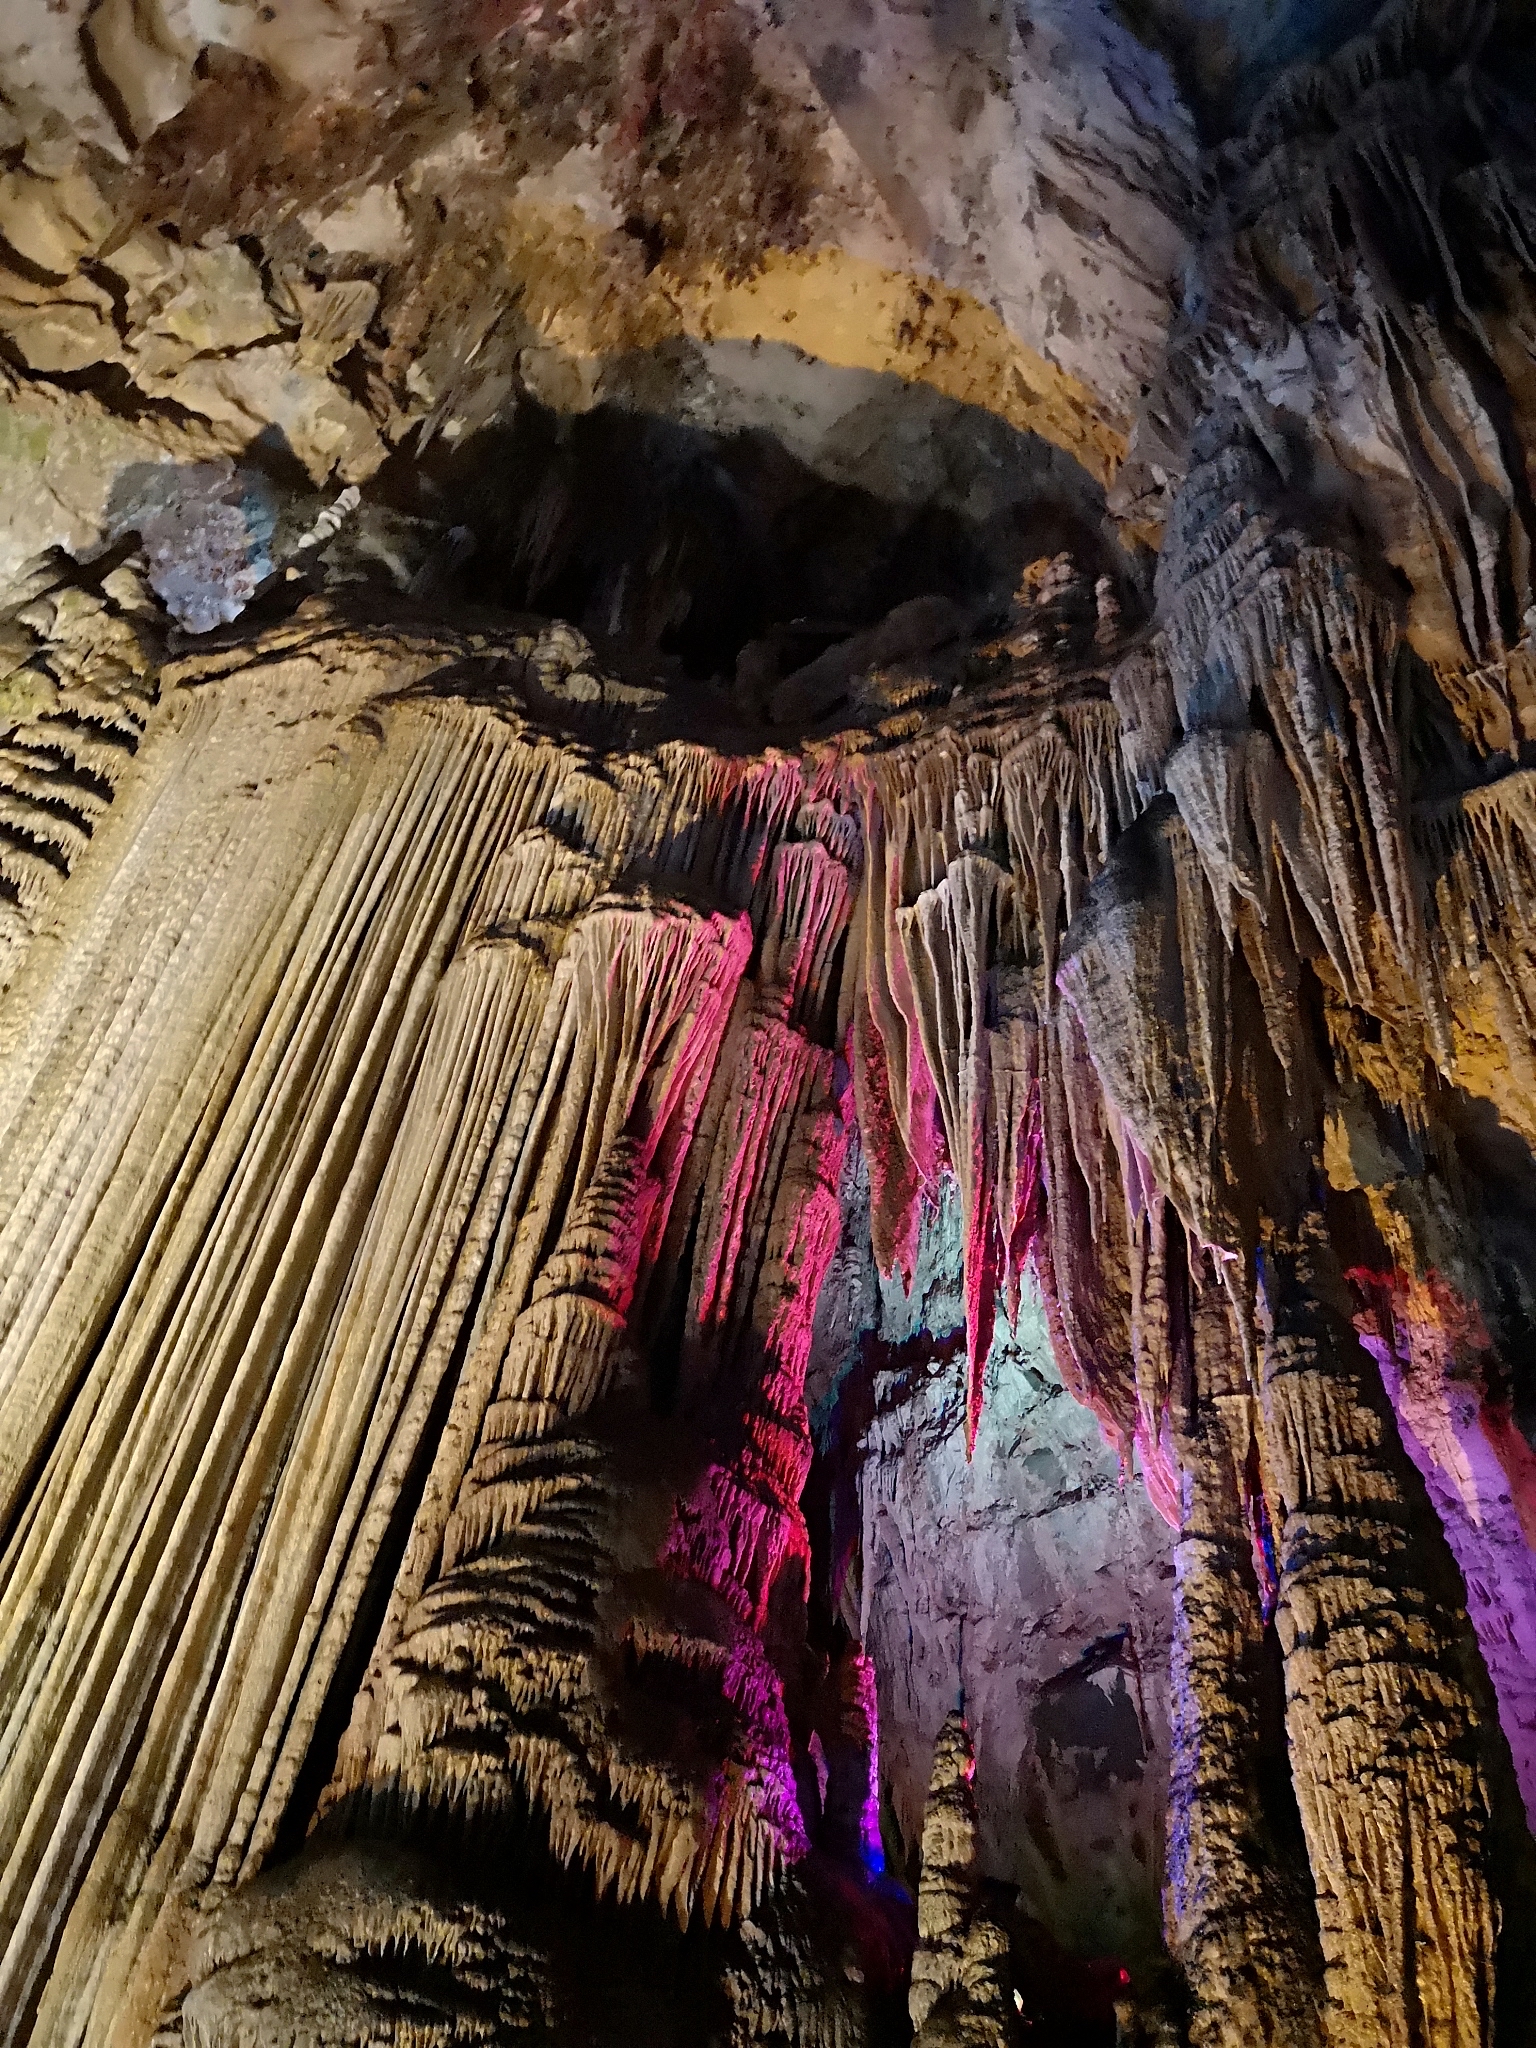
{"points": [[767, 1025]]}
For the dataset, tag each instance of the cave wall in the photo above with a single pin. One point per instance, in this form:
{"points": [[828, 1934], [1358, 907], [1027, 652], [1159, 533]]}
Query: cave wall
{"points": [[1032, 1583], [821, 1276]]}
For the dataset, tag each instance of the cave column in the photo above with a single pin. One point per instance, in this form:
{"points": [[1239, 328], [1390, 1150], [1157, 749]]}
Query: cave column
{"points": [[1237, 1919], [1381, 1723]]}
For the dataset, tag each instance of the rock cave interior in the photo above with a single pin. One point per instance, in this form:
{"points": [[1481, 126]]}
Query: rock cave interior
{"points": [[767, 1023]]}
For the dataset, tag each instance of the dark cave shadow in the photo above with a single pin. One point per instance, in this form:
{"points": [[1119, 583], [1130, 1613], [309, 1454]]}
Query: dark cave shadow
{"points": [[674, 545]]}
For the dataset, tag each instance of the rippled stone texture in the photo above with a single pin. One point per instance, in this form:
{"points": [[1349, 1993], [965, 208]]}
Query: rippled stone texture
{"points": [[709, 1111]]}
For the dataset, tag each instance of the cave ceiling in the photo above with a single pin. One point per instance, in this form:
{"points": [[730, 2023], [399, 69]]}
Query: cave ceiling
{"points": [[767, 1024]]}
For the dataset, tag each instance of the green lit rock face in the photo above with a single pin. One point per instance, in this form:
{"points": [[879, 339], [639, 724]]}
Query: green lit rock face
{"points": [[1035, 1579]]}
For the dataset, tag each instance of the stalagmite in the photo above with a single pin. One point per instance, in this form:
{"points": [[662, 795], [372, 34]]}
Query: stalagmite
{"points": [[1239, 1919], [959, 1972], [1378, 1714]]}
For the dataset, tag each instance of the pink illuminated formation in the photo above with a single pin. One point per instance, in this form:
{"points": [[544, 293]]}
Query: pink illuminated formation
{"points": [[775, 1220], [669, 1121], [892, 974], [862, 1711], [1431, 1346]]}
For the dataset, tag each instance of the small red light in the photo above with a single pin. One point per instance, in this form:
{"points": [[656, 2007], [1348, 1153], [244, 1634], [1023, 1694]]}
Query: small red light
{"points": [[1125, 1976]]}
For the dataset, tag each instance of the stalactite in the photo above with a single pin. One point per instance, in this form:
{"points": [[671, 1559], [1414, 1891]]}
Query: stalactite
{"points": [[741, 1529], [1066, 797], [1379, 1716], [216, 1347], [949, 938], [1085, 1014], [1479, 851], [527, 1523], [985, 857], [1088, 1013], [547, 1014], [1370, 241], [1181, 1046], [558, 1060], [76, 684], [1314, 819]]}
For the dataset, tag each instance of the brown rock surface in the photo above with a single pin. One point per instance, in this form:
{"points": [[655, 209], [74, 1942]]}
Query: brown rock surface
{"points": [[688, 1064]]}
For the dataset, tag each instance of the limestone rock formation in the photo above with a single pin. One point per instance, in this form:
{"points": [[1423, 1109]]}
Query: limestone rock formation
{"points": [[957, 1978], [767, 955]]}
